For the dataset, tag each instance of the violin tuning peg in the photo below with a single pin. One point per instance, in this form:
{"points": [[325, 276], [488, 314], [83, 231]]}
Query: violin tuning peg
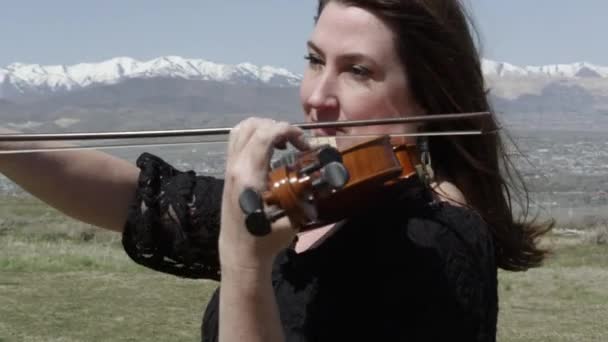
{"points": [[252, 205], [333, 175], [257, 224], [324, 156], [250, 201], [328, 155]]}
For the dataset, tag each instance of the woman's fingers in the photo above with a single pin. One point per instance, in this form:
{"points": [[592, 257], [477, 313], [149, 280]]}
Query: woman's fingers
{"points": [[250, 148], [251, 145], [241, 133], [299, 141], [265, 139], [279, 132]]}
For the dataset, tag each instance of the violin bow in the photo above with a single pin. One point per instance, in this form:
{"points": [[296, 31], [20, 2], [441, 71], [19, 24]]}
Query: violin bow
{"points": [[222, 131]]}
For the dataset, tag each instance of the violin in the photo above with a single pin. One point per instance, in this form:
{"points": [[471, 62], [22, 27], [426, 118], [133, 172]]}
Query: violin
{"points": [[323, 185]]}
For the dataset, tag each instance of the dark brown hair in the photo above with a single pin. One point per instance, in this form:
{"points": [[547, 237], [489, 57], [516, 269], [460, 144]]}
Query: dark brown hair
{"points": [[435, 44]]}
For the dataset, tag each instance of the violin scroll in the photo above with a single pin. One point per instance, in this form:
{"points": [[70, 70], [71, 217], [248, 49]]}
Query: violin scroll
{"points": [[296, 180], [323, 185]]}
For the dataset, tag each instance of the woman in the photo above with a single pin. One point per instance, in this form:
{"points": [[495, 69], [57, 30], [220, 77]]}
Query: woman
{"points": [[416, 267]]}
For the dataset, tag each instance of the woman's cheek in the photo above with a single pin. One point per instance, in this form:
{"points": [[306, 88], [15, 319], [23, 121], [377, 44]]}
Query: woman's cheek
{"points": [[360, 107]]}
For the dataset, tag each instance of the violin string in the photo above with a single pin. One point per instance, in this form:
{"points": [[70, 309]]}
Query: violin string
{"points": [[218, 141]]}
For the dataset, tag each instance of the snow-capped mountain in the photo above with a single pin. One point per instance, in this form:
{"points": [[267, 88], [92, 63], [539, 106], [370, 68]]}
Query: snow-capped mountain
{"points": [[23, 79], [574, 70], [175, 92], [19, 78]]}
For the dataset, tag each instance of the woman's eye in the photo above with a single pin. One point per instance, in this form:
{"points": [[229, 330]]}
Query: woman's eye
{"points": [[360, 71], [313, 60]]}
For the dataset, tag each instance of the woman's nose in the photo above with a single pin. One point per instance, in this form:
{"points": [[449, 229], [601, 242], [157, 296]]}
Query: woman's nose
{"points": [[323, 95]]}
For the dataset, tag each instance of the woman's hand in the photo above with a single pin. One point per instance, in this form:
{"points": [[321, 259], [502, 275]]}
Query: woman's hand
{"points": [[250, 148]]}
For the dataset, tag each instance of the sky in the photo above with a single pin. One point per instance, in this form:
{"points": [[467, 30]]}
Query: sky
{"points": [[272, 32]]}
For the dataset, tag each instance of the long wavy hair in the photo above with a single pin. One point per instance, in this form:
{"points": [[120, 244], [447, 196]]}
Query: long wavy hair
{"points": [[435, 44]]}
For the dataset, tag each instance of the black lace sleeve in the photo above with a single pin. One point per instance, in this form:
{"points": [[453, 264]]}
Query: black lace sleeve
{"points": [[173, 223]]}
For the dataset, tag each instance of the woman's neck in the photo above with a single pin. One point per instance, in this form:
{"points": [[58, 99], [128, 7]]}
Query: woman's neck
{"points": [[313, 238]]}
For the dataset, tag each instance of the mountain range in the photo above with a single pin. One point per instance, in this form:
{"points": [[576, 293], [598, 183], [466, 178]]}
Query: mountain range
{"points": [[19, 79], [176, 92]]}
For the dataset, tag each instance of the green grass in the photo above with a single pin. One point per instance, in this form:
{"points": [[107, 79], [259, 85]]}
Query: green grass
{"points": [[68, 290], [61, 280], [64, 281], [565, 300]]}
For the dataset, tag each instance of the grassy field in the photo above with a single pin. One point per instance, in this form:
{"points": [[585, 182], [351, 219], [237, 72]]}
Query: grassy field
{"points": [[63, 281]]}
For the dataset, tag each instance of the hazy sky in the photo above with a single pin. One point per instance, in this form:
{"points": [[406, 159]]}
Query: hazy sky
{"points": [[274, 32]]}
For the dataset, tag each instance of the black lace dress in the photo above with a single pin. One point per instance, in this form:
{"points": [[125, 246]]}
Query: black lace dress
{"points": [[396, 273]]}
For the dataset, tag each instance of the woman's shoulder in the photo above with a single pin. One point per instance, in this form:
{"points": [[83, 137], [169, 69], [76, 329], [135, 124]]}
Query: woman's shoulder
{"points": [[454, 246], [450, 229], [448, 252]]}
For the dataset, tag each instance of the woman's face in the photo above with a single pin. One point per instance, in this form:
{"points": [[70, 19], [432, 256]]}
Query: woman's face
{"points": [[354, 73]]}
